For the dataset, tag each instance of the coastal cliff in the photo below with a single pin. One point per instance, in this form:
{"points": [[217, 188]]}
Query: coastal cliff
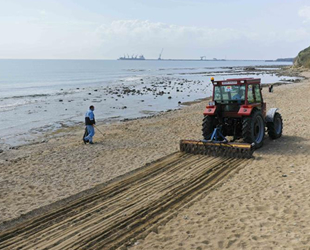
{"points": [[303, 58]]}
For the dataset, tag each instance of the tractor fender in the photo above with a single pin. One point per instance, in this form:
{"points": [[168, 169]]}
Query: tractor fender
{"points": [[246, 110], [210, 110], [270, 114]]}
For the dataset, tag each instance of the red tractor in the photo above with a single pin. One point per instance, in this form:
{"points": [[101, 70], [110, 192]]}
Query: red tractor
{"points": [[237, 110]]}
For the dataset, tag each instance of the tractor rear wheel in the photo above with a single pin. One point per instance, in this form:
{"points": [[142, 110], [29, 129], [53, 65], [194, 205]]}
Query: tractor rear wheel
{"points": [[253, 129], [275, 128], [208, 126]]}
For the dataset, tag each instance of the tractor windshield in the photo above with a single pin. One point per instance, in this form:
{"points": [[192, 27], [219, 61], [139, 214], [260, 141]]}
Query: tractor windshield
{"points": [[229, 94]]}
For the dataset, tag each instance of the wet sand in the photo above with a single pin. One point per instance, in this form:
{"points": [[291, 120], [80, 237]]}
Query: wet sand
{"points": [[125, 98], [265, 205]]}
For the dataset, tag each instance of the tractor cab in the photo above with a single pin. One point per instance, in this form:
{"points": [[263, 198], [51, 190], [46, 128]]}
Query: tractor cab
{"points": [[236, 97]]}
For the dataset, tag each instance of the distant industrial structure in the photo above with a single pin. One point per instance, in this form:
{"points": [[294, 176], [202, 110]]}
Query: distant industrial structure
{"points": [[141, 57], [204, 58], [159, 58]]}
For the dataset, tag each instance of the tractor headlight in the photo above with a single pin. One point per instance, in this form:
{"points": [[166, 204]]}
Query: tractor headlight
{"points": [[212, 103]]}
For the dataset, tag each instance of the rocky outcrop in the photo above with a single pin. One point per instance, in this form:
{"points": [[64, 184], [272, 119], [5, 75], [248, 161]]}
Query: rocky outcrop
{"points": [[303, 58]]}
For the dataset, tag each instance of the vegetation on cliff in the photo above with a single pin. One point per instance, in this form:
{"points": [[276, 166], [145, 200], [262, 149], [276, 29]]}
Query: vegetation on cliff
{"points": [[303, 58]]}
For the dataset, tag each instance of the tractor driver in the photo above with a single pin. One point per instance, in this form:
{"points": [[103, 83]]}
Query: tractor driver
{"points": [[239, 95]]}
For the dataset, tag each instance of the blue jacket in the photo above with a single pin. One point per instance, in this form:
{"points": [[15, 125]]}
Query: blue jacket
{"points": [[90, 118]]}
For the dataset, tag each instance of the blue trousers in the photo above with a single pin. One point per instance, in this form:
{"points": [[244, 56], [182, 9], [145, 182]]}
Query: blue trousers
{"points": [[91, 133]]}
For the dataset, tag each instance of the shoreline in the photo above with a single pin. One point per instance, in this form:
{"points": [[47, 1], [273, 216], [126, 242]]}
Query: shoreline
{"points": [[171, 92]]}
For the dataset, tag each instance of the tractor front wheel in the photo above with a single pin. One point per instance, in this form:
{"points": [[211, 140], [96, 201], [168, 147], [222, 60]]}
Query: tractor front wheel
{"points": [[208, 126], [253, 129], [275, 128]]}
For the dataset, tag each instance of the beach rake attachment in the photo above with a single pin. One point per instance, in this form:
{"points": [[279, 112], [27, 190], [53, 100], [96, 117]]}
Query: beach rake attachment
{"points": [[224, 149]]}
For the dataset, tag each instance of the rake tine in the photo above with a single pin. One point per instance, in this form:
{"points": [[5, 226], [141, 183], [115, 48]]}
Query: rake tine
{"points": [[216, 149]]}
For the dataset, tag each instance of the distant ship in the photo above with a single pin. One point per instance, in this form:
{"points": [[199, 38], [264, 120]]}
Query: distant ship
{"points": [[141, 57]]}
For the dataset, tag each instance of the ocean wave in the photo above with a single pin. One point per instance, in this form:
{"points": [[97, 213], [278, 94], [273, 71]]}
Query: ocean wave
{"points": [[136, 70], [25, 96], [64, 92], [11, 106]]}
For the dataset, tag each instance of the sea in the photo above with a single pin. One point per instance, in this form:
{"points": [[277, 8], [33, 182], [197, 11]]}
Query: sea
{"points": [[40, 96]]}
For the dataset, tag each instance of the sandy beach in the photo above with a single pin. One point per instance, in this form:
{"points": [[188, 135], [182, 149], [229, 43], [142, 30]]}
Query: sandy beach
{"points": [[265, 205]]}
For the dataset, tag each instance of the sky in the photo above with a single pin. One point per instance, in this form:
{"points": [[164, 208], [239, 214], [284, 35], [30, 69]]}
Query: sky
{"points": [[188, 29]]}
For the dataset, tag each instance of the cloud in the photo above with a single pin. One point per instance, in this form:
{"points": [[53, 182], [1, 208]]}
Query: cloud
{"points": [[304, 12], [145, 37], [138, 35], [75, 39], [42, 12], [136, 31], [296, 35]]}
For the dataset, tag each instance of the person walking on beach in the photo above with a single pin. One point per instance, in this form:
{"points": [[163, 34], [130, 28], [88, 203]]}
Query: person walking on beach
{"points": [[90, 122], [270, 87]]}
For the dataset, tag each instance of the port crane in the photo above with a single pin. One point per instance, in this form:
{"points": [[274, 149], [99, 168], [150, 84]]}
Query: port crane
{"points": [[159, 58]]}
